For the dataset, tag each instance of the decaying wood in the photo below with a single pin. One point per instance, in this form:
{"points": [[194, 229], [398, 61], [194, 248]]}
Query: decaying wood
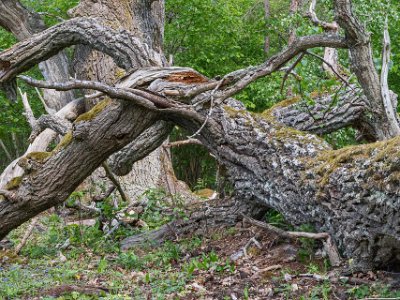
{"points": [[182, 143], [351, 194], [378, 125]]}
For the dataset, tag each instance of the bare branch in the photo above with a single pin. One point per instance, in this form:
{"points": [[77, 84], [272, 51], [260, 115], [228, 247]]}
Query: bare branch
{"points": [[344, 80], [378, 125], [27, 233], [14, 140], [127, 51], [390, 107], [290, 69], [330, 247], [136, 96], [184, 142], [28, 110], [333, 26], [115, 181], [242, 78]]}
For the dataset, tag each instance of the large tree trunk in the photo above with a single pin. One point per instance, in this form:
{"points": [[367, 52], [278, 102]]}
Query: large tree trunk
{"points": [[145, 20]]}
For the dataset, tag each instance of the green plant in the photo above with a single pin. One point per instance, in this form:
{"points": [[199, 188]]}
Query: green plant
{"points": [[359, 292]]}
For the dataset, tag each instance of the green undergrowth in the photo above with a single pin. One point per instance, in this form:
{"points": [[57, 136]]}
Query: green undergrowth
{"points": [[163, 270], [149, 271]]}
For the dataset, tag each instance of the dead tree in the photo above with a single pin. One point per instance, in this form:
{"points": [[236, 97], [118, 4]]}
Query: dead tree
{"points": [[273, 159]]}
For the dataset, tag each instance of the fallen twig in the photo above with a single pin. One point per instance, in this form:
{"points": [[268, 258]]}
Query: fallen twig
{"points": [[25, 238], [329, 245]]}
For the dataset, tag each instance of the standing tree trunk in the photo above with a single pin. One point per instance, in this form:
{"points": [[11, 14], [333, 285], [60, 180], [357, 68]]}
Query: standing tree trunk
{"points": [[145, 20]]}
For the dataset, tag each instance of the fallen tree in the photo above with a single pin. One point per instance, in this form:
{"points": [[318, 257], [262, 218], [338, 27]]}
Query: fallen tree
{"points": [[351, 193]]}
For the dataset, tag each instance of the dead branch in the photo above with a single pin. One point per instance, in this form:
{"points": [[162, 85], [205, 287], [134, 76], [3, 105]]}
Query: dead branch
{"points": [[26, 236], [344, 80], [131, 94], [242, 78], [14, 140], [330, 247], [390, 108], [333, 26], [290, 70], [182, 143], [115, 181], [28, 110]]}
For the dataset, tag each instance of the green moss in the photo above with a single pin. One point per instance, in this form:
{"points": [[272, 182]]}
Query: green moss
{"points": [[334, 159], [66, 140], [286, 103], [38, 156], [119, 73], [268, 114], [14, 183], [232, 112], [96, 110]]}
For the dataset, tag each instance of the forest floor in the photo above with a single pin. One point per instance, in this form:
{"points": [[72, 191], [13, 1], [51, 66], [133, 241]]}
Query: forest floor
{"points": [[212, 266]]}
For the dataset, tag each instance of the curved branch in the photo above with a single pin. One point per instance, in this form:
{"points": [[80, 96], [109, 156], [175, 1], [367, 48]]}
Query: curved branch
{"points": [[127, 51], [242, 78], [333, 26]]}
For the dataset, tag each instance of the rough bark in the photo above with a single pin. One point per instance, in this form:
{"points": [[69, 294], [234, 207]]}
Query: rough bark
{"points": [[144, 20]]}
